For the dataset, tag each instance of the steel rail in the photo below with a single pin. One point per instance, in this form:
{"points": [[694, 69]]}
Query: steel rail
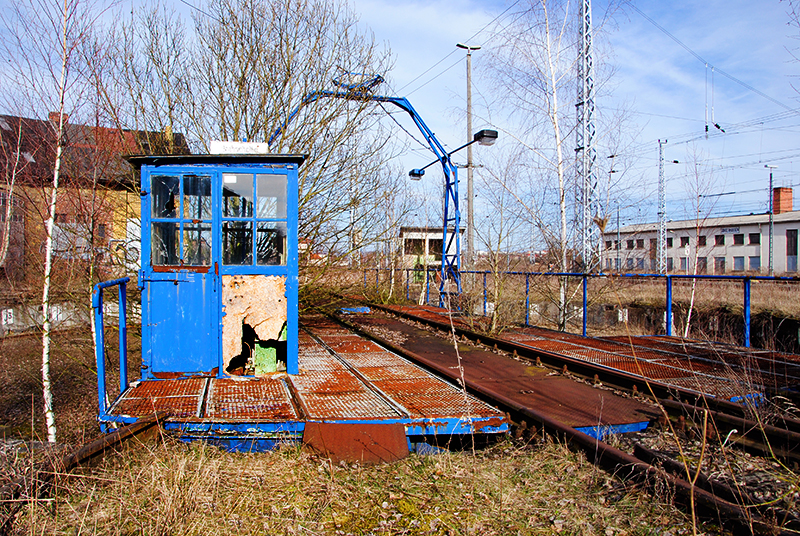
{"points": [[611, 459], [40, 480], [619, 379]]}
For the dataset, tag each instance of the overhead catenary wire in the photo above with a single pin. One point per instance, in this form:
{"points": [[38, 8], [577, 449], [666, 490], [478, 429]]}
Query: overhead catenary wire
{"points": [[704, 62], [476, 34]]}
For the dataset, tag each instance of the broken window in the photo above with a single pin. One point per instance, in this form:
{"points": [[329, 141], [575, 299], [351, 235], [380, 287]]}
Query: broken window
{"points": [[271, 243]]}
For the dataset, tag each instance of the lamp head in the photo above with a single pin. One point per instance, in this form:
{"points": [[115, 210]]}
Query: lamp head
{"points": [[468, 48], [485, 137], [416, 174]]}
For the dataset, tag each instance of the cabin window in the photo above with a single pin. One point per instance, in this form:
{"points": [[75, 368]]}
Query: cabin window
{"points": [[254, 222], [181, 220]]}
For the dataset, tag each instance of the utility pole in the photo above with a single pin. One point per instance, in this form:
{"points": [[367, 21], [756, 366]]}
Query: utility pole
{"points": [[470, 260], [771, 220]]}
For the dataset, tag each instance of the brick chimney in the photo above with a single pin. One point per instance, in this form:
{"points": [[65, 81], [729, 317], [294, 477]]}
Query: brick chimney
{"points": [[53, 117], [782, 200]]}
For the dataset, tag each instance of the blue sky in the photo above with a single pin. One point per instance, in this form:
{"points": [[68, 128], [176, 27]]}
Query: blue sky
{"points": [[664, 88]]}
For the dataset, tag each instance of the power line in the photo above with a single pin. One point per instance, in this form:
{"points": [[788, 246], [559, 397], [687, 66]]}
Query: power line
{"points": [[429, 69], [708, 64]]}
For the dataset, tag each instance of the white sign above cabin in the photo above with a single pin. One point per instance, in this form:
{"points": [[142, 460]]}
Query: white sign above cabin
{"points": [[237, 147]]}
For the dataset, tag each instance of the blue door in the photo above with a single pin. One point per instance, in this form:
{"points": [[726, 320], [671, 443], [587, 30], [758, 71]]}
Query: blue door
{"points": [[180, 317]]}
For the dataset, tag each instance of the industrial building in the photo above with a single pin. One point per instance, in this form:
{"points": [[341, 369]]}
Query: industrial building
{"points": [[733, 244]]}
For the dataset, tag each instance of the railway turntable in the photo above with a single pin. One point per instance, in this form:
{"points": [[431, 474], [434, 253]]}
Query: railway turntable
{"points": [[597, 412], [223, 348]]}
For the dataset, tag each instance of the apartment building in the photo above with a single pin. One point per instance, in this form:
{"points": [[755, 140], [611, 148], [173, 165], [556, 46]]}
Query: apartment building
{"points": [[728, 245]]}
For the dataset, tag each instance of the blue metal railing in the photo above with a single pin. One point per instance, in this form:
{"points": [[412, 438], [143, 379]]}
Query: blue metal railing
{"points": [[668, 280], [99, 338]]}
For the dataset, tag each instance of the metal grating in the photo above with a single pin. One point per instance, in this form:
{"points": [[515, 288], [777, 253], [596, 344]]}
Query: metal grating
{"points": [[325, 382], [376, 359], [178, 397], [176, 406], [258, 398], [339, 406], [157, 388], [375, 374], [427, 399]]}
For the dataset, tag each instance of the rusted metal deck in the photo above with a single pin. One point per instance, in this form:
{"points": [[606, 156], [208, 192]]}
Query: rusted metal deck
{"points": [[595, 411], [343, 379], [719, 370]]}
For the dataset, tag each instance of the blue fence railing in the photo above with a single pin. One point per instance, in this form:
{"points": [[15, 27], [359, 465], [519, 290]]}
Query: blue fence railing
{"points": [[432, 273], [99, 340]]}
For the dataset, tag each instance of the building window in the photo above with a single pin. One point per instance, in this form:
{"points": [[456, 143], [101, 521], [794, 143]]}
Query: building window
{"points": [[791, 250], [101, 230], [738, 264], [616, 264], [702, 265], [755, 263], [608, 264], [738, 240], [719, 265], [670, 264], [640, 243], [640, 264], [719, 240], [630, 244], [755, 238], [435, 248], [616, 245], [608, 244], [414, 246], [684, 264], [701, 241], [653, 266], [684, 241], [669, 241], [629, 264]]}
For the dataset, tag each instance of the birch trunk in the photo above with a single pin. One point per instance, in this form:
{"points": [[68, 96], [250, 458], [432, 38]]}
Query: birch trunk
{"points": [[48, 253], [10, 199]]}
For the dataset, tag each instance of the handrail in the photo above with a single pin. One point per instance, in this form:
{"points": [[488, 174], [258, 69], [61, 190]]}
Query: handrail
{"points": [[745, 279], [99, 339]]}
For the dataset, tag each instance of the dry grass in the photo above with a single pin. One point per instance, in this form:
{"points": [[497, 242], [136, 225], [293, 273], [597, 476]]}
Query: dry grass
{"points": [[172, 488]]}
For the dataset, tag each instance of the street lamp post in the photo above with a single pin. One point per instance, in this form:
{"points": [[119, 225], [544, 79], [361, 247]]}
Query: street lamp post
{"points": [[771, 219], [470, 189], [482, 137]]}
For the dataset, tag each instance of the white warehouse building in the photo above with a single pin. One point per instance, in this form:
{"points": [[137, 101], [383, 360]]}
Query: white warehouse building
{"points": [[734, 244]]}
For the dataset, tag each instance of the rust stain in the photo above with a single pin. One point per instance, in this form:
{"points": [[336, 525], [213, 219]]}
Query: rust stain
{"points": [[363, 443], [166, 269]]}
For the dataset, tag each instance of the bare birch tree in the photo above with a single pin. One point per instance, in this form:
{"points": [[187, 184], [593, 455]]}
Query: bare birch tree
{"points": [[41, 40], [240, 70], [14, 164], [497, 232], [532, 63], [534, 67]]}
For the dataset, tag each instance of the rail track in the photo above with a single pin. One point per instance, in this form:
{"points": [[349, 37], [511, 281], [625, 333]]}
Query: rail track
{"points": [[39, 479], [682, 410], [760, 432]]}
